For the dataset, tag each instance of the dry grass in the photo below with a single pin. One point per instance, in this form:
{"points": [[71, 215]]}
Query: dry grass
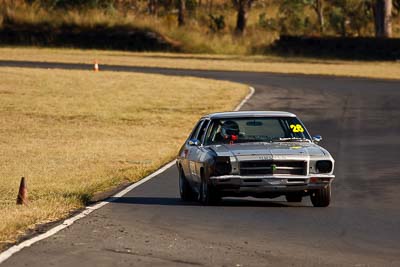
{"points": [[195, 37], [74, 133], [384, 70]]}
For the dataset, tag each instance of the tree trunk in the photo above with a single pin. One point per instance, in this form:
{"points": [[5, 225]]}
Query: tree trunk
{"points": [[387, 28], [241, 17], [383, 18], [181, 13], [152, 7], [343, 28], [320, 13]]}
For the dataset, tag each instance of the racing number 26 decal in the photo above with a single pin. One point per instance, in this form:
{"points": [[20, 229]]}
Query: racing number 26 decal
{"points": [[296, 128]]}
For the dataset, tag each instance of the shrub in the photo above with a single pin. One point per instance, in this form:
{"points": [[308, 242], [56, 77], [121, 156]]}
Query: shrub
{"points": [[292, 20], [268, 24], [217, 23]]}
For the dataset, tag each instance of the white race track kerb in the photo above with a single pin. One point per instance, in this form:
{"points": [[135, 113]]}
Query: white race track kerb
{"points": [[68, 222]]}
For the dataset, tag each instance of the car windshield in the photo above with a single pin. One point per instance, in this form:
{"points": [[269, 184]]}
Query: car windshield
{"points": [[244, 130]]}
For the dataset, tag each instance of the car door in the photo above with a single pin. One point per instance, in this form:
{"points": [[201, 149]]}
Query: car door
{"points": [[184, 154], [196, 154]]}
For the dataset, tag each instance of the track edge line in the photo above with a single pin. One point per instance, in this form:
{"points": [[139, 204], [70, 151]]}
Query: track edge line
{"points": [[244, 101]]}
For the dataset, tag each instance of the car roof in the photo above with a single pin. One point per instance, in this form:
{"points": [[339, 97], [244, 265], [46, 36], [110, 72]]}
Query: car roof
{"points": [[248, 114]]}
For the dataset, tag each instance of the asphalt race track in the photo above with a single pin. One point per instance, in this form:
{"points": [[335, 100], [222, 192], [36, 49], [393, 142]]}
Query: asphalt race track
{"points": [[359, 120]]}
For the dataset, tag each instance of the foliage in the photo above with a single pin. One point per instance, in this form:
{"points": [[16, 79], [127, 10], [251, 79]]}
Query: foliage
{"points": [[292, 18], [269, 24], [337, 20], [350, 17], [396, 7], [217, 23], [191, 6]]}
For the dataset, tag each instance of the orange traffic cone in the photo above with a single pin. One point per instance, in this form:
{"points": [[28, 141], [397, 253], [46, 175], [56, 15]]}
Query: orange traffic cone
{"points": [[22, 198], [96, 66]]}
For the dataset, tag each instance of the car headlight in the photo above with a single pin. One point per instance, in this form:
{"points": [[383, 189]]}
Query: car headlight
{"points": [[223, 166], [324, 166]]}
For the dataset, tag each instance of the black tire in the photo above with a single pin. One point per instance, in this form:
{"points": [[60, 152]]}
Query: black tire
{"points": [[208, 195], [321, 197], [294, 197], [185, 190]]}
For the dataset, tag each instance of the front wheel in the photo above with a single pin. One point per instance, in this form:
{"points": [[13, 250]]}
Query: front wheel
{"points": [[185, 190], [208, 195], [321, 197]]}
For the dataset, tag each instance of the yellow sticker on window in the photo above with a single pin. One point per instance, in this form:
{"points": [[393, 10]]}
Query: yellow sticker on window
{"points": [[296, 128]]}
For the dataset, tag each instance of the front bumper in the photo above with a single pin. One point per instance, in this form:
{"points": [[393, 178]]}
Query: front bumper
{"points": [[271, 183]]}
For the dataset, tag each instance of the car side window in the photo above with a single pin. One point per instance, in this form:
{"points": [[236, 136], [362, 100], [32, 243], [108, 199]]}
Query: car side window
{"points": [[211, 132], [202, 131], [196, 130]]}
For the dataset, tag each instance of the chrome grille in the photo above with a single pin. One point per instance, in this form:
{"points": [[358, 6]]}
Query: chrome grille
{"points": [[263, 167]]}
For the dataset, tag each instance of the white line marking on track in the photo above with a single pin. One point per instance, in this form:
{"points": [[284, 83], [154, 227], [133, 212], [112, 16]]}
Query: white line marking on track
{"points": [[68, 222], [252, 91]]}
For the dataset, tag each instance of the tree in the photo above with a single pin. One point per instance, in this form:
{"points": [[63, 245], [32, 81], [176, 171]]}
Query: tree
{"points": [[242, 6], [293, 11], [383, 18], [350, 17], [292, 18], [152, 6], [318, 7], [181, 12], [387, 21]]}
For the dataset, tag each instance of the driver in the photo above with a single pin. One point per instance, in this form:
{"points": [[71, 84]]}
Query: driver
{"points": [[229, 132]]}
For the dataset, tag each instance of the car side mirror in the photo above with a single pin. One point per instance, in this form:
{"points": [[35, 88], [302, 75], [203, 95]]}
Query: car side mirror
{"points": [[194, 142], [317, 138]]}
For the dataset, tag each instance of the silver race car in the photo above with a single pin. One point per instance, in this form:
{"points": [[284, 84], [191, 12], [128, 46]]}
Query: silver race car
{"points": [[263, 154]]}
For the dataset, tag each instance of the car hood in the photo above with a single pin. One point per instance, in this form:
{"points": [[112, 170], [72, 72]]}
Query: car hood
{"points": [[297, 149]]}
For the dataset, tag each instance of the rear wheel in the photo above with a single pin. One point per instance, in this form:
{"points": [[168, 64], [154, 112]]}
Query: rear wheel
{"points": [[294, 197], [185, 190], [208, 195], [321, 197]]}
